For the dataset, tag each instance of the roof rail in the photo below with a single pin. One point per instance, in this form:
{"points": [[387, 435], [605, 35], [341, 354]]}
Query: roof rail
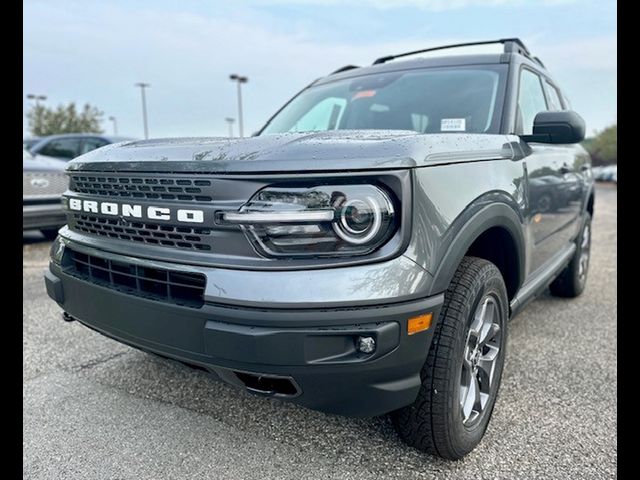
{"points": [[539, 62], [511, 45], [344, 69]]}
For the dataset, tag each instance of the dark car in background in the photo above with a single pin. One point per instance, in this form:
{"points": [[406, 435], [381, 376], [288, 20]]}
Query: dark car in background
{"points": [[70, 145], [43, 183]]}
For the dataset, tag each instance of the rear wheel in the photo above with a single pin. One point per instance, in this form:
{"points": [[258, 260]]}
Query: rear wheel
{"points": [[571, 282], [461, 377]]}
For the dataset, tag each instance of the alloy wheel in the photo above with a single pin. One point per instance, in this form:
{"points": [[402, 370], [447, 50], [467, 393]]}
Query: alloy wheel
{"points": [[585, 247], [481, 355]]}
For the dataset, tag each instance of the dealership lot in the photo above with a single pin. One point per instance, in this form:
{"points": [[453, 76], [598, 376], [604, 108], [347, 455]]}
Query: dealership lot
{"points": [[96, 409]]}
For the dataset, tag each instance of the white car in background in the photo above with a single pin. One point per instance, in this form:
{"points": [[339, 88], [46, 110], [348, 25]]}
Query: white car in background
{"points": [[43, 183]]}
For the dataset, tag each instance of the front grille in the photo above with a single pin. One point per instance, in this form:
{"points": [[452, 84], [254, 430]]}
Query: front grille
{"points": [[43, 184], [141, 232], [169, 286], [170, 188]]}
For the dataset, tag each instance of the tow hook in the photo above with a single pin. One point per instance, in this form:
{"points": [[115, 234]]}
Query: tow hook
{"points": [[67, 318]]}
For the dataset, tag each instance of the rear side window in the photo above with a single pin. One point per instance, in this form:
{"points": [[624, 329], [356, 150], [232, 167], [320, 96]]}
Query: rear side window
{"points": [[531, 101], [92, 143], [67, 148], [553, 96]]}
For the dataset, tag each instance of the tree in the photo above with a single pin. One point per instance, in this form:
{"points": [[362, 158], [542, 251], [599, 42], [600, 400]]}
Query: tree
{"points": [[603, 147], [64, 119]]}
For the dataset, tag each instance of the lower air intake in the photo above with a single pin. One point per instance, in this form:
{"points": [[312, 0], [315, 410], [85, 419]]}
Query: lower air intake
{"points": [[169, 286]]}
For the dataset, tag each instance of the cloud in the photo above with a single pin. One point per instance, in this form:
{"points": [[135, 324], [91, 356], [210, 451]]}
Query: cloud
{"points": [[430, 5], [597, 53], [95, 52]]}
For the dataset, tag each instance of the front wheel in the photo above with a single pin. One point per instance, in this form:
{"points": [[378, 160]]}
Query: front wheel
{"points": [[461, 377]]}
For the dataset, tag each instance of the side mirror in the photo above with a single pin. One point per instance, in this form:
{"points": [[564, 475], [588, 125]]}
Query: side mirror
{"points": [[557, 127]]}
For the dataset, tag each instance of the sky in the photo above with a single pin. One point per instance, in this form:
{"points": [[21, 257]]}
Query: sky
{"points": [[95, 51]]}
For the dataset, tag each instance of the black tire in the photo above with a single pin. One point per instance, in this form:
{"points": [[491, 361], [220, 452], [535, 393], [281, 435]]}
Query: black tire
{"points": [[435, 422], [571, 282], [545, 203], [49, 233]]}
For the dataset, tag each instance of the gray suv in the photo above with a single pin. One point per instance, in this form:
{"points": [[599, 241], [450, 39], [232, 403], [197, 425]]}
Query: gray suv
{"points": [[360, 255]]}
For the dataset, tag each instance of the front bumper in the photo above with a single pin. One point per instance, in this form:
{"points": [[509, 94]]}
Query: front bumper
{"points": [[41, 216], [311, 349]]}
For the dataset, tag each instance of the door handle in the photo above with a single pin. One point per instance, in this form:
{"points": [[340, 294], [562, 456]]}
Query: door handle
{"points": [[565, 169]]}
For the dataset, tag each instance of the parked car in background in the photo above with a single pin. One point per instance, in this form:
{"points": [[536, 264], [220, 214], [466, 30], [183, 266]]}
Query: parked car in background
{"points": [[43, 183], [70, 145], [595, 171], [608, 173], [29, 142]]}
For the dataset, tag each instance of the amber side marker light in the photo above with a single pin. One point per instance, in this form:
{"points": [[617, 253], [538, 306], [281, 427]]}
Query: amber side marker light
{"points": [[419, 323]]}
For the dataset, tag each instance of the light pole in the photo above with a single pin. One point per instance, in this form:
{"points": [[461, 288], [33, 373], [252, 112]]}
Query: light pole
{"points": [[240, 80], [144, 107], [230, 121], [37, 112], [37, 98], [115, 125]]}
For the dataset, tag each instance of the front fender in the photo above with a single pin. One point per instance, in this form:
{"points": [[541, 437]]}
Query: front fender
{"points": [[454, 204], [468, 230]]}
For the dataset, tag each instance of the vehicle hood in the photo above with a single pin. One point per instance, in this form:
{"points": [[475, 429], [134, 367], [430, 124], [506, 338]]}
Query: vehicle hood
{"points": [[298, 152]]}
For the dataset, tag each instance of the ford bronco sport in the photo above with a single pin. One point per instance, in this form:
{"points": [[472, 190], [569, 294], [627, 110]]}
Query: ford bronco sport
{"points": [[361, 254]]}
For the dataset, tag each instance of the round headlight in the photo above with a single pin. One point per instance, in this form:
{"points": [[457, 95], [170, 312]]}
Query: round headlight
{"points": [[360, 220], [357, 216]]}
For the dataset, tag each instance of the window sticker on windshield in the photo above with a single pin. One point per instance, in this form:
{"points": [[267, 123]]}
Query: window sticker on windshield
{"points": [[453, 125], [364, 94]]}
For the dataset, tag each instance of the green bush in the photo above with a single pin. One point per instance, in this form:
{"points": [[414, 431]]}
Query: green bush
{"points": [[64, 119], [603, 147]]}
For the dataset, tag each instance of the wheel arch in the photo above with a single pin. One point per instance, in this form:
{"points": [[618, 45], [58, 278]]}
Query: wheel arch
{"points": [[591, 198], [494, 233]]}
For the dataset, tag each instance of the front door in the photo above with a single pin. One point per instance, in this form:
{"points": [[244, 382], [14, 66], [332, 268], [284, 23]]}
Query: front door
{"points": [[554, 188]]}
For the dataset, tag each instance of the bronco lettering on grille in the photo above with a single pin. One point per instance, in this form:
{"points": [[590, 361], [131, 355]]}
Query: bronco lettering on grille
{"points": [[135, 211]]}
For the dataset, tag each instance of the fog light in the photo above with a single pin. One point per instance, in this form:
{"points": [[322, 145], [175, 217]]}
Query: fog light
{"points": [[366, 344]]}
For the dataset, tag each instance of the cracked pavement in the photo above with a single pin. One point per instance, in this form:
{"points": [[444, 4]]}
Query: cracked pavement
{"points": [[94, 408]]}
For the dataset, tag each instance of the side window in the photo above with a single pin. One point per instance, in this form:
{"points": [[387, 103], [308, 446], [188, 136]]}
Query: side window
{"points": [[67, 148], [91, 144], [553, 96], [323, 116], [531, 101]]}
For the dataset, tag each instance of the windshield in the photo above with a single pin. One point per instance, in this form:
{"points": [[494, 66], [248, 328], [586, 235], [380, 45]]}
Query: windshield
{"points": [[434, 100]]}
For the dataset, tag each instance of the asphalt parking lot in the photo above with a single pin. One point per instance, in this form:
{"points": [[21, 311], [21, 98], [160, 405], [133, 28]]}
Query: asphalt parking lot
{"points": [[96, 409]]}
